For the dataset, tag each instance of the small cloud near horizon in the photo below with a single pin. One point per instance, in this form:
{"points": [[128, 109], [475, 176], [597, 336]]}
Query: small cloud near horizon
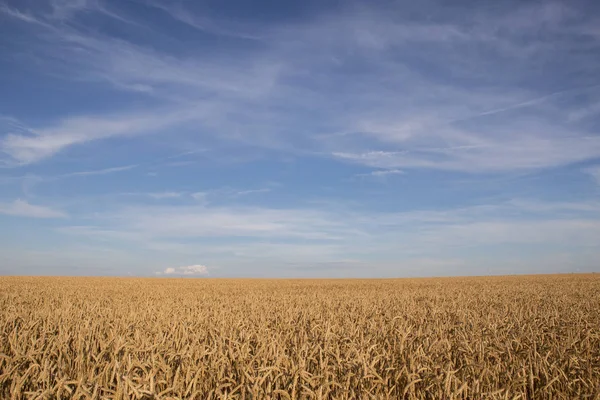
{"points": [[187, 270]]}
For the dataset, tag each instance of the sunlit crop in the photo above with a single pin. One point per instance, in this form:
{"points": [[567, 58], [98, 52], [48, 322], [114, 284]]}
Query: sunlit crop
{"points": [[452, 338]]}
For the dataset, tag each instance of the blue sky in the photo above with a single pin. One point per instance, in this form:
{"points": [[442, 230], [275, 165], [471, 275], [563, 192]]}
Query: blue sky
{"points": [[299, 139]]}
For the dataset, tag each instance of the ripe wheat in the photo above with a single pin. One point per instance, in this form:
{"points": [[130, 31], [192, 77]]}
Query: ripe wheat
{"points": [[532, 337]]}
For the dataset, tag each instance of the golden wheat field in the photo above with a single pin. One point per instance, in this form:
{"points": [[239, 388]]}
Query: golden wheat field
{"points": [[527, 337]]}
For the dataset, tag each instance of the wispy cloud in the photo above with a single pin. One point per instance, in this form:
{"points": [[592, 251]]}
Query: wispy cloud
{"points": [[216, 195], [22, 208], [426, 127], [211, 196], [434, 92], [381, 173], [166, 195], [187, 270], [342, 224], [331, 236], [193, 221], [103, 171], [41, 143], [64, 9], [207, 25], [131, 67], [251, 191], [30, 181], [19, 15], [493, 154]]}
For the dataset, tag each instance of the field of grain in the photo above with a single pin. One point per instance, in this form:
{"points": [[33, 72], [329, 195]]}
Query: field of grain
{"points": [[447, 338]]}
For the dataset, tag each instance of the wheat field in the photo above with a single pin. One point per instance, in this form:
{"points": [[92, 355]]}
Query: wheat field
{"points": [[525, 337]]}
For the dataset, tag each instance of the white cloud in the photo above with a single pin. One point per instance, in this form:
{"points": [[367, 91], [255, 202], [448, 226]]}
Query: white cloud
{"points": [[15, 13], [252, 191], [162, 223], [499, 154], [130, 67], [558, 232], [101, 234], [555, 207], [433, 240], [422, 128], [45, 142], [166, 195], [381, 173], [339, 227], [438, 124], [63, 9], [197, 221], [207, 25], [187, 270], [22, 208], [216, 195], [103, 171], [480, 91], [387, 172]]}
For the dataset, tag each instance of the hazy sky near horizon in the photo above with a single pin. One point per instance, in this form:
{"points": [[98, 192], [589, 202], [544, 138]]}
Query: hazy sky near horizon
{"points": [[299, 139]]}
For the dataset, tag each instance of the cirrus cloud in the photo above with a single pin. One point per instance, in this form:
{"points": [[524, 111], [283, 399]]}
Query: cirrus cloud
{"points": [[22, 208]]}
